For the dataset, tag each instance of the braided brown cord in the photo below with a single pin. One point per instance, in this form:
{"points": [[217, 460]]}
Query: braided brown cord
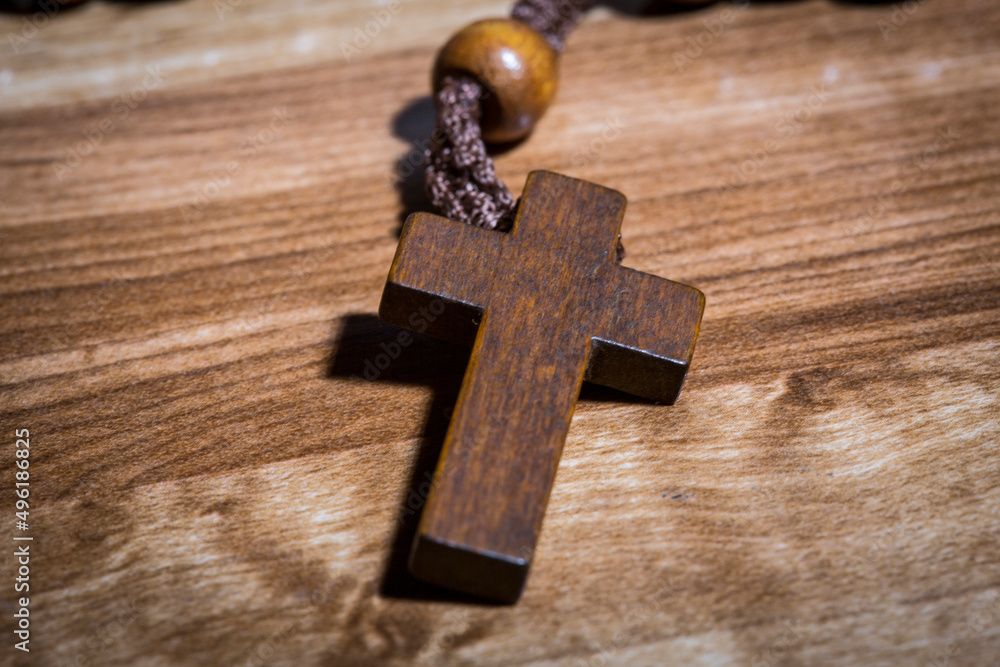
{"points": [[461, 178], [553, 19]]}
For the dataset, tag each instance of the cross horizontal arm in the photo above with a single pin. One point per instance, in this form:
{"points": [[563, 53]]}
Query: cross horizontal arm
{"points": [[644, 338], [439, 261]]}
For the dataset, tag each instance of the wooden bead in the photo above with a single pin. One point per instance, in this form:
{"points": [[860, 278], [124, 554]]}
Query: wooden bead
{"points": [[518, 67]]}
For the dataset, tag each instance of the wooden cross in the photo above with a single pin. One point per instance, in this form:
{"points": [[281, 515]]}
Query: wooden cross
{"points": [[547, 306]]}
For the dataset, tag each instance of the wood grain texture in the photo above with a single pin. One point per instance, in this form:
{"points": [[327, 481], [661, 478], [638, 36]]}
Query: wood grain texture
{"points": [[544, 306], [187, 346]]}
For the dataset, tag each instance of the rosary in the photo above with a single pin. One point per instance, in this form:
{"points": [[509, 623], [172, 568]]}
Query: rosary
{"points": [[537, 287]]}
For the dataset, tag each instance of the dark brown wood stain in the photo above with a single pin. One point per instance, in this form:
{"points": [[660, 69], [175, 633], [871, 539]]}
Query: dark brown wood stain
{"points": [[548, 305]]}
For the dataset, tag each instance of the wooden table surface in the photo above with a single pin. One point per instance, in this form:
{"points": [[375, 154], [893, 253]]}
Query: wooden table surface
{"points": [[200, 202]]}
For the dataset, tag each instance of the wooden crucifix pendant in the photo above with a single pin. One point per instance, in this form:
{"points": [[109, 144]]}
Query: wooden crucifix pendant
{"points": [[547, 306]]}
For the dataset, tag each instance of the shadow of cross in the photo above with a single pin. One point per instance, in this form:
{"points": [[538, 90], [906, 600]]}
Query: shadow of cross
{"points": [[547, 306]]}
